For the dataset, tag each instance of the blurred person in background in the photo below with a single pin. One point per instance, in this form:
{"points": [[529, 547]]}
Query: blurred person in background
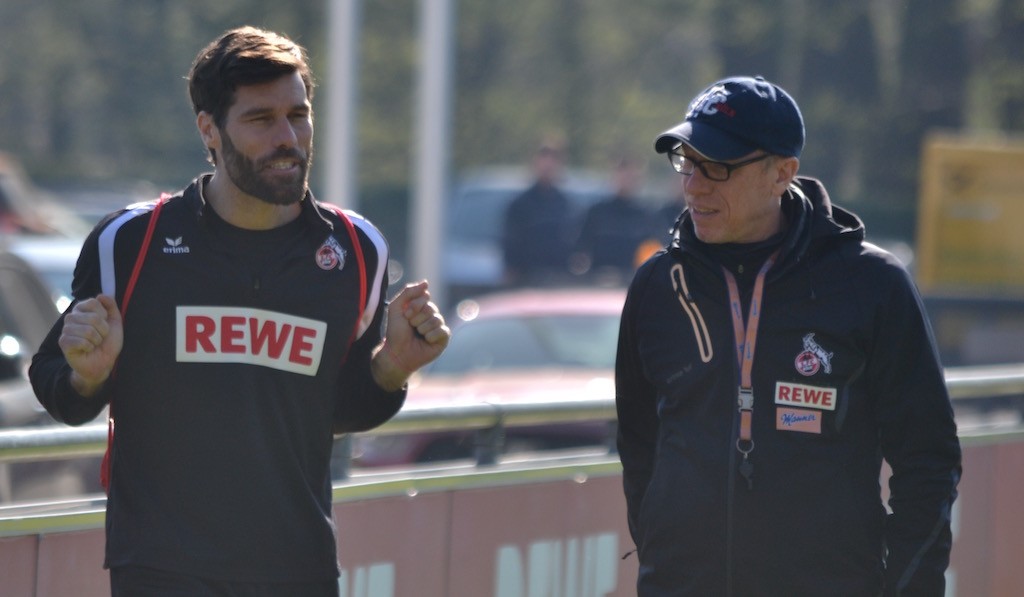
{"points": [[614, 228], [538, 225], [664, 218], [667, 215], [768, 361], [257, 326]]}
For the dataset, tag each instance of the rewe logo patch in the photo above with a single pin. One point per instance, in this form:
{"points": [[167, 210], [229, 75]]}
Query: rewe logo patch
{"points": [[795, 394], [252, 336]]}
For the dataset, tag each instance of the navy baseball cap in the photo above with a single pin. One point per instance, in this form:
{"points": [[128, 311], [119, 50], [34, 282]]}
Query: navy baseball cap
{"points": [[737, 116]]}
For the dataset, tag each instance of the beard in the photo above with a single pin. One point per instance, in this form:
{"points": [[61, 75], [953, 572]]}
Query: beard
{"points": [[245, 174]]}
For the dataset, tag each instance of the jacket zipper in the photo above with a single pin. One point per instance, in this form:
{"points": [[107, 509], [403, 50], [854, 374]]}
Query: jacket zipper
{"points": [[730, 522]]}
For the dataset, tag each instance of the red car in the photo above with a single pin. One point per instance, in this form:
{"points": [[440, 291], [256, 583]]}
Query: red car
{"points": [[513, 347]]}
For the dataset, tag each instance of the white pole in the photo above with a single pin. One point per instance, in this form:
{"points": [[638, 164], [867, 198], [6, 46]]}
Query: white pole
{"points": [[339, 160], [433, 142]]}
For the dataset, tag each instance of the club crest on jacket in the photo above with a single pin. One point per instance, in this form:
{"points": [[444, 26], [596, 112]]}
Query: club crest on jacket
{"points": [[330, 255], [813, 358]]}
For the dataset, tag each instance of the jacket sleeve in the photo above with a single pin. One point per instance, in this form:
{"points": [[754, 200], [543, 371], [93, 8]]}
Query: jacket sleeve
{"points": [[635, 404], [49, 371], [919, 441], [50, 377]]}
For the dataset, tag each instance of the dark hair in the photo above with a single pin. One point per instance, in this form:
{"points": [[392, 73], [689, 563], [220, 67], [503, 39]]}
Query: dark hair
{"points": [[242, 56]]}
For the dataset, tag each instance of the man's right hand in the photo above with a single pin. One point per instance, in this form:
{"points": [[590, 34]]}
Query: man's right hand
{"points": [[91, 340]]}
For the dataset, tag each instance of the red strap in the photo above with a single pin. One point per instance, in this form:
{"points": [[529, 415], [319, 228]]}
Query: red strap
{"points": [[139, 259], [357, 247]]}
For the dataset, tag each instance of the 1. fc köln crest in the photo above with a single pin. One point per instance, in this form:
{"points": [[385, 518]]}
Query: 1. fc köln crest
{"points": [[814, 358], [330, 255]]}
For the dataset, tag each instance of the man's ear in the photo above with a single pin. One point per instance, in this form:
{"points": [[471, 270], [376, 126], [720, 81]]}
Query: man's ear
{"points": [[208, 130], [786, 169]]}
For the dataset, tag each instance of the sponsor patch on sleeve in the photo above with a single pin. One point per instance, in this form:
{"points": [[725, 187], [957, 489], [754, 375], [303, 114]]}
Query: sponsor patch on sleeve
{"points": [[798, 419]]}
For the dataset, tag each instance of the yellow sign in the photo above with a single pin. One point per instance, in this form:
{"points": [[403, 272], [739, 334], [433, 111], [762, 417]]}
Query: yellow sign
{"points": [[971, 216]]}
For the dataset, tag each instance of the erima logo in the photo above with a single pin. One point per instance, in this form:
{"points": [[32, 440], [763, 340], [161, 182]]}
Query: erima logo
{"points": [[174, 246]]}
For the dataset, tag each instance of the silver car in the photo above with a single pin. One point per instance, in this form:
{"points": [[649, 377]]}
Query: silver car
{"points": [[27, 312]]}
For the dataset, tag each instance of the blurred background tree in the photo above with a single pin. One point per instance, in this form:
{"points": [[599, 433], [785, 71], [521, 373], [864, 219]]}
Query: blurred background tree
{"points": [[93, 92]]}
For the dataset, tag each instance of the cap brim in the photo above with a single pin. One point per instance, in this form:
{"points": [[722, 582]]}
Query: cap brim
{"points": [[710, 142]]}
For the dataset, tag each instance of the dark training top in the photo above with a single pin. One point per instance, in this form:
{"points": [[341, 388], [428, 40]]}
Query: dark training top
{"points": [[242, 354], [845, 372]]}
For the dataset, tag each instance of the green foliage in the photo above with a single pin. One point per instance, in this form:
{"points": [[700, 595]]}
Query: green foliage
{"points": [[95, 90]]}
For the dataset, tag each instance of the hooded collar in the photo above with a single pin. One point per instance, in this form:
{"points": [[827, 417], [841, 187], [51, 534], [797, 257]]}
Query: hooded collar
{"points": [[811, 221]]}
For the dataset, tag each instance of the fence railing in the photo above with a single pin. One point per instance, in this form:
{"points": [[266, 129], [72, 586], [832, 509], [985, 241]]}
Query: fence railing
{"points": [[61, 442]]}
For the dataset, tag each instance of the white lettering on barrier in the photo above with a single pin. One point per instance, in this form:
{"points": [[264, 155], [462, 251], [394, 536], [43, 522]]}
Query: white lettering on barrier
{"points": [[557, 568], [376, 580]]}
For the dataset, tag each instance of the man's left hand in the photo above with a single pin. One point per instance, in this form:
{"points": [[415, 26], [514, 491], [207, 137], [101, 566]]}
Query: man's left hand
{"points": [[416, 335]]}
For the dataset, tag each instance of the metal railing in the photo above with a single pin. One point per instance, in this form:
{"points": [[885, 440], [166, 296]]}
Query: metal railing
{"points": [[60, 442]]}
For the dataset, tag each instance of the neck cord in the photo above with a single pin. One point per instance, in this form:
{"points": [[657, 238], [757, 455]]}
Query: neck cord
{"points": [[746, 340]]}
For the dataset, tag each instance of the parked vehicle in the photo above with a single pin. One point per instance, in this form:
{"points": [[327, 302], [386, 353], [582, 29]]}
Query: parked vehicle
{"points": [[26, 314], [471, 258], [27, 311], [530, 346], [53, 257]]}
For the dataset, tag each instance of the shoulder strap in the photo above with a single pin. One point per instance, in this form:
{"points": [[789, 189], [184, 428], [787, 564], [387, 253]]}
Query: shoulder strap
{"points": [[139, 259], [357, 248]]}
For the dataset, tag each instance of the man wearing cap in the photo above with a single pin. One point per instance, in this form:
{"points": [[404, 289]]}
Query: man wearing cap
{"points": [[769, 359]]}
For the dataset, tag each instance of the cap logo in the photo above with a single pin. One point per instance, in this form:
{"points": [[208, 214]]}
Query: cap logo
{"points": [[734, 117], [711, 102]]}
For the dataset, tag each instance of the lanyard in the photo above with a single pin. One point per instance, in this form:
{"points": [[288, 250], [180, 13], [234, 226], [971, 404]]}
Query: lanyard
{"points": [[746, 341]]}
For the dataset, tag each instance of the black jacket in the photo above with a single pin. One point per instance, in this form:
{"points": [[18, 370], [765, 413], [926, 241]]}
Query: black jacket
{"points": [[843, 347], [537, 233], [241, 351]]}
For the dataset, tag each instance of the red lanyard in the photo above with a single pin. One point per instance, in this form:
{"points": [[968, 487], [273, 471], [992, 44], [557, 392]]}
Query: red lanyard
{"points": [[746, 341]]}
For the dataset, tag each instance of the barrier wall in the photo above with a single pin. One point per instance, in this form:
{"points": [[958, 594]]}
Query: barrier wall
{"points": [[556, 530]]}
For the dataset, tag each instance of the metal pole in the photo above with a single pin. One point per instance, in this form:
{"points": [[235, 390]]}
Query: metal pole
{"points": [[433, 142], [339, 165]]}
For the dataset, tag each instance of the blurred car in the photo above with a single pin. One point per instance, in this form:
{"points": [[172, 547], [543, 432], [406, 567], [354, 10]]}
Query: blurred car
{"points": [[471, 255], [26, 314], [53, 257], [528, 346]]}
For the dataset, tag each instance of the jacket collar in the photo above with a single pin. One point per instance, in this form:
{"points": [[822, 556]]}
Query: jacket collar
{"points": [[811, 219], [311, 209]]}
